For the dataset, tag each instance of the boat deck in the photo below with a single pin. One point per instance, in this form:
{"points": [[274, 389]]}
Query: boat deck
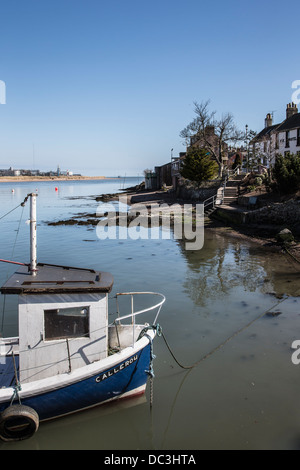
{"points": [[7, 371]]}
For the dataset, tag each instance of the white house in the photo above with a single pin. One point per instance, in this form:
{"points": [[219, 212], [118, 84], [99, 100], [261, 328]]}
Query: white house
{"points": [[263, 146], [277, 139], [288, 133]]}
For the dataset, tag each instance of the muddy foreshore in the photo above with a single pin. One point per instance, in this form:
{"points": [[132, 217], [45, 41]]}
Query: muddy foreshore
{"points": [[265, 236]]}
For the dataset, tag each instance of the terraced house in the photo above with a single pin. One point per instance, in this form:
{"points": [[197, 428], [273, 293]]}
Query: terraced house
{"points": [[277, 139], [288, 133]]}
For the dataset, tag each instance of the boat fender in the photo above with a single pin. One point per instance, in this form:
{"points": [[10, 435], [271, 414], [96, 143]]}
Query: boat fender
{"points": [[18, 422]]}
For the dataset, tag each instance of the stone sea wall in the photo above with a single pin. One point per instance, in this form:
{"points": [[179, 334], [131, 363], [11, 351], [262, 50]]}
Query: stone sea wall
{"points": [[187, 191], [275, 216], [287, 213]]}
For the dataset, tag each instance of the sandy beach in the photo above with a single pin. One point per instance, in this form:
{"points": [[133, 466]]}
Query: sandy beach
{"points": [[20, 179]]}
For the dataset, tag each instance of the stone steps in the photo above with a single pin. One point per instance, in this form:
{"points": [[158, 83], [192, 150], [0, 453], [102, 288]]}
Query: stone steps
{"points": [[231, 190]]}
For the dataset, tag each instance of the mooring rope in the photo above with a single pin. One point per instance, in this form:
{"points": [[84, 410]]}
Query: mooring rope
{"points": [[291, 254], [225, 341], [235, 333], [2, 217], [12, 255], [22, 204]]}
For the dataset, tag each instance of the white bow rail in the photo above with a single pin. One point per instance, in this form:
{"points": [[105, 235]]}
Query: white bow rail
{"points": [[133, 314]]}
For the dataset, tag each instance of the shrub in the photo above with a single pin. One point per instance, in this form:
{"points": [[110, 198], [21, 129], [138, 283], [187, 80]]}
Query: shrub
{"points": [[286, 173], [198, 166]]}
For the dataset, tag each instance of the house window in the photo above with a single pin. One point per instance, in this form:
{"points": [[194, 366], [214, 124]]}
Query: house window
{"points": [[287, 139], [298, 137], [63, 323]]}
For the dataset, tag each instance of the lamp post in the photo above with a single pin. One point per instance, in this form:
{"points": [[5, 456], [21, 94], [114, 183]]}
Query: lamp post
{"points": [[247, 149]]}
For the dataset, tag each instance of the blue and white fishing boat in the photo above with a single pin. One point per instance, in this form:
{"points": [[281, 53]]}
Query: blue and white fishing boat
{"points": [[67, 356]]}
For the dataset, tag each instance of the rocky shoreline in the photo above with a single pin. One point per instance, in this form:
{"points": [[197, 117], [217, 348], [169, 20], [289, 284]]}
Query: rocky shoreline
{"points": [[261, 226]]}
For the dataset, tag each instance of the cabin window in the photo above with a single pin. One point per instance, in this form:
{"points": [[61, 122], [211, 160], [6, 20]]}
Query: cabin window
{"points": [[63, 323]]}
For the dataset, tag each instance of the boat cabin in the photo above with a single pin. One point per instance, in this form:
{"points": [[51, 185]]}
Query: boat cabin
{"points": [[63, 318]]}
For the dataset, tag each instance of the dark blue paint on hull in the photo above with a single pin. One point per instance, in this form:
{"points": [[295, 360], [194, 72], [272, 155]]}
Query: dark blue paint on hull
{"points": [[94, 390]]}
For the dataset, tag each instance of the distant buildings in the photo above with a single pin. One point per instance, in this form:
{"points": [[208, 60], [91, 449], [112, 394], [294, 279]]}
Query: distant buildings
{"points": [[21, 172], [12, 172]]}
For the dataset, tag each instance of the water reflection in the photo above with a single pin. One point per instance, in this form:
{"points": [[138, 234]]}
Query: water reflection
{"points": [[224, 264], [229, 400]]}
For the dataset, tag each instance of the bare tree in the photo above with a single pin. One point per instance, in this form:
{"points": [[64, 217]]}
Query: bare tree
{"points": [[263, 150], [203, 119], [200, 130]]}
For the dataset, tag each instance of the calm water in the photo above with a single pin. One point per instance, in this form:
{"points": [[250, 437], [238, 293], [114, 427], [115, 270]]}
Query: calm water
{"points": [[243, 396]]}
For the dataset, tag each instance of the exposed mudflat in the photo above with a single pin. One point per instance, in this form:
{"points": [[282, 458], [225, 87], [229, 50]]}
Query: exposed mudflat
{"points": [[259, 233]]}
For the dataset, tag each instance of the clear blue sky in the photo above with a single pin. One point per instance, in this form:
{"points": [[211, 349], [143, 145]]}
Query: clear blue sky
{"points": [[105, 87]]}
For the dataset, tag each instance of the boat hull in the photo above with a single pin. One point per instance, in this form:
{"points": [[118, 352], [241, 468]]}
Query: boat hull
{"points": [[125, 378]]}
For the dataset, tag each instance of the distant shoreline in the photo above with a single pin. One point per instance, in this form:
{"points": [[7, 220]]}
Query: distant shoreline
{"points": [[17, 179]]}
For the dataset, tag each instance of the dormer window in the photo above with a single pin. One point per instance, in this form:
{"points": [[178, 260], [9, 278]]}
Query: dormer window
{"points": [[64, 323]]}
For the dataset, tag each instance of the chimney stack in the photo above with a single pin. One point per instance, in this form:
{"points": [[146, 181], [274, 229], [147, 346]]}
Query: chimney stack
{"points": [[291, 109], [268, 120], [210, 129]]}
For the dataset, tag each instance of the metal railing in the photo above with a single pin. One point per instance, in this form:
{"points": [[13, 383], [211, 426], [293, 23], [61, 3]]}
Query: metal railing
{"points": [[211, 201], [133, 314]]}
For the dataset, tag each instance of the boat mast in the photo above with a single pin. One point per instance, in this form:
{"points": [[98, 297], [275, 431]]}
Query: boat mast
{"points": [[33, 262]]}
